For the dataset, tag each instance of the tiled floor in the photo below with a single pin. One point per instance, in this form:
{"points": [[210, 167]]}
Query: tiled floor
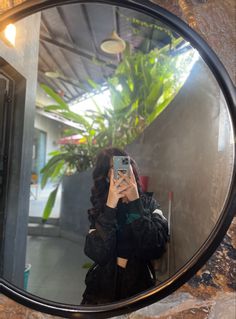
{"points": [[57, 271]]}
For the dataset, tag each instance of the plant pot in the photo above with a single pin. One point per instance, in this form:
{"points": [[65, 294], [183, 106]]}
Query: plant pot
{"points": [[144, 182], [26, 275]]}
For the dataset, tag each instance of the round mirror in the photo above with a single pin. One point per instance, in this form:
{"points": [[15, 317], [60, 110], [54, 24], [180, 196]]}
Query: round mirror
{"points": [[117, 155]]}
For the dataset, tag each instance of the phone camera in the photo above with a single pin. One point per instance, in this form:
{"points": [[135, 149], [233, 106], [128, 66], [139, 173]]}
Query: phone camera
{"points": [[125, 161]]}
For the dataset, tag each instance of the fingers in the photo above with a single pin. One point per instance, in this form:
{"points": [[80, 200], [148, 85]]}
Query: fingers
{"points": [[118, 182], [112, 180], [123, 188], [128, 179], [123, 183], [120, 191], [120, 188], [132, 174]]}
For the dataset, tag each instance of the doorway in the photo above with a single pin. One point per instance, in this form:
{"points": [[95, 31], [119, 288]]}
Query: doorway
{"points": [[6, 117], [13, 190]]}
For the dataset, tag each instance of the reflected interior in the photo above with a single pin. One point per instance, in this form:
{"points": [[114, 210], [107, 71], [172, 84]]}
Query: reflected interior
{"points": [[110, 76]]}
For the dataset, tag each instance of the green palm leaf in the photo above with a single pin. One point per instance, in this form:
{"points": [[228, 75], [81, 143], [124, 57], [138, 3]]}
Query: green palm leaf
{"points": [[54, 96], [50, 203]]}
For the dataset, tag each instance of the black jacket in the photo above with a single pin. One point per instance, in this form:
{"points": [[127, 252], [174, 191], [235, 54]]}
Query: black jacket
{"points": [[133, 231]]}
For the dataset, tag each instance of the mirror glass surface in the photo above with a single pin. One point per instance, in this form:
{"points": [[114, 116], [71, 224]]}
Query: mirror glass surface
{"points": [[92, 76]]}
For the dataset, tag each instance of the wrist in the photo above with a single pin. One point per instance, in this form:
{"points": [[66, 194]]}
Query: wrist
{"points": [[108, 216], [134, 198], [135, 206], [111, 204]]}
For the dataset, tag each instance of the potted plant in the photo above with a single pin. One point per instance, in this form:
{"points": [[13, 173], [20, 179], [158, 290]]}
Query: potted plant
{"points": [[140, 89]]}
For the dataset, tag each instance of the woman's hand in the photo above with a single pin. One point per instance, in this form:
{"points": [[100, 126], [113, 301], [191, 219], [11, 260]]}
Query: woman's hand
{"points": [[131, 192], [116, 190]]}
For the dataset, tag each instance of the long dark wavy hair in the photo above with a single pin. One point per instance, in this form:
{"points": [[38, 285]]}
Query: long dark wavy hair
{"points": [[99, 191]]}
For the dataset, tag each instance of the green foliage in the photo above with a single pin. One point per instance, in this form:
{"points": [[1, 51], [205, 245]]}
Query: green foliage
{"points": [[141, 87], [60, 102], [50, 204], [87, 265]]}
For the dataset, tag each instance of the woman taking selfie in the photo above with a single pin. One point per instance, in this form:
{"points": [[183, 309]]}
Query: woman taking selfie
{"points": [[127, 231]]}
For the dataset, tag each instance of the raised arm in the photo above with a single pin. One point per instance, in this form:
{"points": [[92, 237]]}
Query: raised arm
{"points": [[100, 244]]}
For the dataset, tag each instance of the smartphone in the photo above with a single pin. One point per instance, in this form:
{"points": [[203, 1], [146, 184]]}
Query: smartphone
{"points": [[122, 164]]}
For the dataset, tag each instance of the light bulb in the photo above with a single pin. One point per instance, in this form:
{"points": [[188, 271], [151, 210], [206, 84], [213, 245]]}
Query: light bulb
{"points": [[10, 34]]}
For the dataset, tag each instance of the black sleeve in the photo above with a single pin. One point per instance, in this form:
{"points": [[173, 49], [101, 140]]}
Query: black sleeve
{"points": [[150, 230], [100, 242]]}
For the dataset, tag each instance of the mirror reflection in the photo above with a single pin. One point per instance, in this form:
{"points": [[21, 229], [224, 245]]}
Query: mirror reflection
{"points": [[120, 156]]}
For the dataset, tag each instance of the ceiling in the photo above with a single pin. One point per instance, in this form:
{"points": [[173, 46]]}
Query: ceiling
{"points": [[70, 38]]}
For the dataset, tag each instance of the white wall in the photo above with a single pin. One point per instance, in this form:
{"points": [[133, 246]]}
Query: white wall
{"points": [[52, 129]]}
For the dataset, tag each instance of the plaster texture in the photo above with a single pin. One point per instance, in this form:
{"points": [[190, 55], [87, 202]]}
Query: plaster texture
{"points": [[188, 151], [24, 59], [75, 204]]}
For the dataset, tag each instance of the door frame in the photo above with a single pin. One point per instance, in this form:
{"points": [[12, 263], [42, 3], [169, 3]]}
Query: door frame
{"points": [[13, 220]]}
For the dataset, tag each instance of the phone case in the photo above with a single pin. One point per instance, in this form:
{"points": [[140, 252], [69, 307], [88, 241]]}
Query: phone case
{"points": [[121, 163]]}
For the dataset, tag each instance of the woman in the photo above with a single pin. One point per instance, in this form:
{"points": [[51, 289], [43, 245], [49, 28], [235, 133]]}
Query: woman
{"points": [[127, 231]]}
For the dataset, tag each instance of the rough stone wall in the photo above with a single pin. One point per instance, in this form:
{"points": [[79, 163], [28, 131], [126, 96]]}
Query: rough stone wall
{"points": [[215, 21], [8, 4], [211, 293]]}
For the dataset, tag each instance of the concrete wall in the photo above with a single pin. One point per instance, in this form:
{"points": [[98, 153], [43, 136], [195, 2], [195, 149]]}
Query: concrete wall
{"points": [[76, 192], [24, 59], [186, 151]]}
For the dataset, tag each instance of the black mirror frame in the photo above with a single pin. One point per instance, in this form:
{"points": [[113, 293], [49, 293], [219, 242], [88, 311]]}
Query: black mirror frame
{"points": [[203, 254]]}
